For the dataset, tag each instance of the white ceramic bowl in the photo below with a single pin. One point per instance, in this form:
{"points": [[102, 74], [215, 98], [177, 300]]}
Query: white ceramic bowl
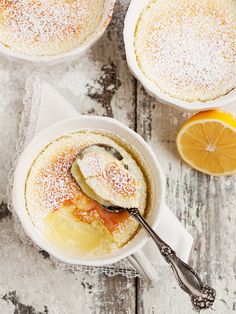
{"points": [[73, 54], [73, 125], [132, 16]]}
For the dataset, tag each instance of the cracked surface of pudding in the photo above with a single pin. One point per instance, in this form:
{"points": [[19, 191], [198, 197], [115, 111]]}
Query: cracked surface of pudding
{"points": [[48, 27], [71, 220], [187, 48]]}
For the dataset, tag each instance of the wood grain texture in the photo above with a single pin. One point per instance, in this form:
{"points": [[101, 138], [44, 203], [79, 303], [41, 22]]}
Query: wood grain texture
{"points": [[204, 204]]}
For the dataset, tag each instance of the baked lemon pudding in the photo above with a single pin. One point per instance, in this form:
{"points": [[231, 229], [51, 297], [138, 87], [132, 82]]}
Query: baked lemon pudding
{"points": [[187, 48], [48, 27], [63, 193]]}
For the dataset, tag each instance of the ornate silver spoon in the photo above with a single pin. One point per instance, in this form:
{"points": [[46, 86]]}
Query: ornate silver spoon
{"points": [[202, 295]]}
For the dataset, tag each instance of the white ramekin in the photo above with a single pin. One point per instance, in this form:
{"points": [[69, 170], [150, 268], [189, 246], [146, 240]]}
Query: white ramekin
{"points": [[71, 55], [41, 140], [169, 228], [131, 20]]}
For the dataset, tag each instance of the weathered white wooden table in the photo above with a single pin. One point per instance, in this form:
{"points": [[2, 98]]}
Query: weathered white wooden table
{"points": [[100, 84]]}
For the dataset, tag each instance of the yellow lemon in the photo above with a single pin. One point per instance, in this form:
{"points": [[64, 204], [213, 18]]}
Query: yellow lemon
{"points": [[207, 142]]}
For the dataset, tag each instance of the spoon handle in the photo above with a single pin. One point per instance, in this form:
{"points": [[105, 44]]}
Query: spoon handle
{"points": [[202, 296]]}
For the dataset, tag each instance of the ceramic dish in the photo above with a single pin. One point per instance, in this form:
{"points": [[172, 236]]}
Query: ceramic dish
{"points": [[133, 249], [73, 54], [131, 20]]}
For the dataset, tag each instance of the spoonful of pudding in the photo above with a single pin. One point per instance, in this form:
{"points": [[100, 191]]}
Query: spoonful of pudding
{"points": [[101, 172]]}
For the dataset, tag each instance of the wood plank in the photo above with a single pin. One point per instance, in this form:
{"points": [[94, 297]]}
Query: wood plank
{"points": [[99, 83], [107, 88], [204, 204]]}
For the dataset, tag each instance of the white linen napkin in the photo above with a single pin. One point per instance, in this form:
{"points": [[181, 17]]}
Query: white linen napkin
{"points": [[54, 108]]}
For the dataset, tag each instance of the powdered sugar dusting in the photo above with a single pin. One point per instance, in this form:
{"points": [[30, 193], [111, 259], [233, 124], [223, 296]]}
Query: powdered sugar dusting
{"points": [[93, 164], [120, 180], [55, 183], [188, 48], [45, 23], [110, 180]]}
